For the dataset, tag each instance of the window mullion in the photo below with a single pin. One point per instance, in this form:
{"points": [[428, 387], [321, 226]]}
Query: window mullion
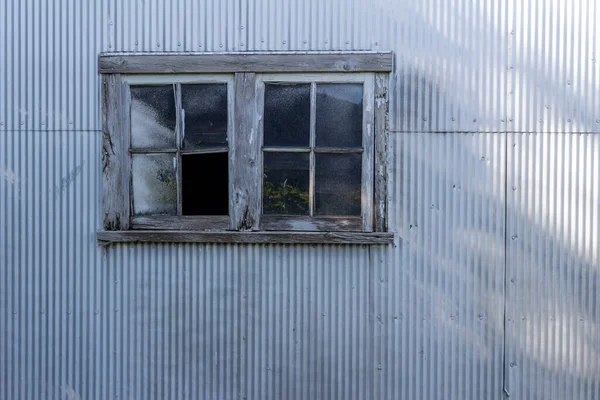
{"points": [[245, 188], [179, 124], [313, 124]]}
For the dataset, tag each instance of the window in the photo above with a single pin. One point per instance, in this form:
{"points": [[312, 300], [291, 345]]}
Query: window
{"points": [[245, 147]]}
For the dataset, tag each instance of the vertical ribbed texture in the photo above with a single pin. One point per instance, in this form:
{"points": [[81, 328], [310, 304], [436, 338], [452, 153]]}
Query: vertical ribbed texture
{"points": [[439, 294], [553, 274], [554, 66], [493, 282]]}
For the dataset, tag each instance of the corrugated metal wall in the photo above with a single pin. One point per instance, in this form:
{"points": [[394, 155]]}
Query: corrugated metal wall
{"points": [[494, 282]]}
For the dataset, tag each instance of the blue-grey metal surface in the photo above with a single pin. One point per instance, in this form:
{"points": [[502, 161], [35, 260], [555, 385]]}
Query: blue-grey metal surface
{"points": [[492, 288]]}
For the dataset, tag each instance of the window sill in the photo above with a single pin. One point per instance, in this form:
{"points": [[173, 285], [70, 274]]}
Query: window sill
{"points": [[376, 238]]}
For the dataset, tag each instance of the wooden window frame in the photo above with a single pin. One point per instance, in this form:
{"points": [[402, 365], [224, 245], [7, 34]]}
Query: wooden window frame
{"points": [[245, 75]]}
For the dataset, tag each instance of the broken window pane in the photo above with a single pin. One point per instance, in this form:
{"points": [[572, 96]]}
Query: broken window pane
{"points": [[287, 115], [205, 184], [154, 184], [153, 117], [285, 183], [339, 115], [205, 112], [338, 184]]}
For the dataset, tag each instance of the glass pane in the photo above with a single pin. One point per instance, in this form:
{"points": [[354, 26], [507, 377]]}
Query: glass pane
{"points": [[205, 184], [339, 115], [287, 115], [154, 184], [205, 110], [153, 116], [285, 183], [338, 184]]}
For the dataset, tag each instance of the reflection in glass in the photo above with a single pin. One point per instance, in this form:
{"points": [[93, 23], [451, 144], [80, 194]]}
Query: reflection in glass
{"points": [[287, 115], [154, 184], [205, 184], [153, 116], [285, 183], [205, 110], [338, 184], [339, 115]]}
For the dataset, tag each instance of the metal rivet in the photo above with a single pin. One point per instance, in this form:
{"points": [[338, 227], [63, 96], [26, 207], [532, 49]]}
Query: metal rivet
{"points": [[541, 121], [380, 367], [514, 237], [453, 119], [474, 119], [569, 120], [284, 42], [242, 27]]}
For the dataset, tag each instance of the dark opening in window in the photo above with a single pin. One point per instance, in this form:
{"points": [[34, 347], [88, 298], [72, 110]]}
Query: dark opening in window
{"points": [[205, 184]]}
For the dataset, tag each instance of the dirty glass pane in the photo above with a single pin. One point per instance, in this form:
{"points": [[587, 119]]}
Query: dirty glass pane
{"points": [[285, 183], [153, 116], [339, 115], [205, 112], [154, 184], [205, 184], [287, 115], [338, 184]]}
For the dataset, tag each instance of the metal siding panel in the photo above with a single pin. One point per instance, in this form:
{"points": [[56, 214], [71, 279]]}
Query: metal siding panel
{"points": [[554, 66], [553, 266], [438, 328]]}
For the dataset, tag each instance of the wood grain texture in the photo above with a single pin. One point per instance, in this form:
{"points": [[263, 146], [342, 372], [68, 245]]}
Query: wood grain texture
{"points": [[184, 222], [168, 63], [113, 204], [368, 155], [375, 238], [299, 223], [382, 104], [244, 201]]}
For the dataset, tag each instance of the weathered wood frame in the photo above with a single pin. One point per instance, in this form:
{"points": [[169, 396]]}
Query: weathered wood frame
{"points": [[362, 223], [119, 70]]}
